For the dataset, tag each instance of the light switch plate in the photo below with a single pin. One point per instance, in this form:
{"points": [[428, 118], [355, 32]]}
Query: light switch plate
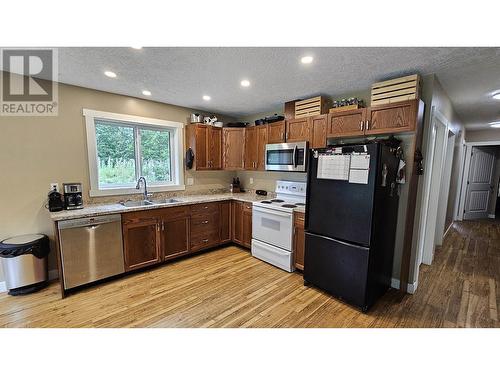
{"points": [[190, 181], [54, 185], [251, 180]]}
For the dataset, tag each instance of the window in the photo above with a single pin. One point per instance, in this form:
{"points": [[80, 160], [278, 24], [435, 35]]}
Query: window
{"points": [[123, 148]]}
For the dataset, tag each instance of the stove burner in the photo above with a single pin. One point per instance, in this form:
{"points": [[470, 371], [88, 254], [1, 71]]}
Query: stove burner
{"points": [[277, 200], [266, 202], [288, 205], [300, 204]]}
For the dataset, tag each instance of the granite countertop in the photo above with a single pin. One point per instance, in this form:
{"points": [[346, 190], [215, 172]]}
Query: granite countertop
{"points": [[116, 208]]}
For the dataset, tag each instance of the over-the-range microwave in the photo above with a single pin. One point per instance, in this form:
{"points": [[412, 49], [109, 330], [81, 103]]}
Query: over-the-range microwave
{"points": [[290, 157]]}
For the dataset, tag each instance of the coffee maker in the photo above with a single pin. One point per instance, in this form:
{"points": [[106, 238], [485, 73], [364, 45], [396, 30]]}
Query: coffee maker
{"points": [[55, 201], [73, 196]]}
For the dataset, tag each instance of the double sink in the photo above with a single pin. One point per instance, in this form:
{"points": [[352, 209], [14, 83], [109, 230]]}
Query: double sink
{"points": [[152, 202]]}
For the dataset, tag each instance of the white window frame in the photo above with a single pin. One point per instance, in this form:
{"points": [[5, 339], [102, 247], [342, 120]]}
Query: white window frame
{"points": [[176, 152]]}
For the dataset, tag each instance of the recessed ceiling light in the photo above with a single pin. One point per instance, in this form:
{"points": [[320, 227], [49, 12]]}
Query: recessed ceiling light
{"points": [[146, 92], [110, 74], [206, 97], [496, 96], [306, 60], [137, 47], [245, 83]]}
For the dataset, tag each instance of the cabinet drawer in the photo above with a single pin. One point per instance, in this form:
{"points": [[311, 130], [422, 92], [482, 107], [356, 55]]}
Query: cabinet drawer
{"points": [[205, 207], [174, 212], [204, 223], [203, 240], [139, 216]]}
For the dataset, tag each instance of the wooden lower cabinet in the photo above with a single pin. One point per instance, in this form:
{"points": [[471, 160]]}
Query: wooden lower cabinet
{"points": [[298, 240], [242, 223], [141, 241], [154, 236], [225, 221], [247, 225]]}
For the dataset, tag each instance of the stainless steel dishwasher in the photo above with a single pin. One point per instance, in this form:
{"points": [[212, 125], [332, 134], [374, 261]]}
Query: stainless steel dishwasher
{"points": [[91, 249]]}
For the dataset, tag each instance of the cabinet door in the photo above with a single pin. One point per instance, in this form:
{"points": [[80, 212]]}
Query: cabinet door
{"points": [[247, 225], [225, 221], [276, 132], [201, 150], [392, 118], [141, 242], [298, 130], [319, 125], [251, 148], [262, 135], [233, 146], [299, 241], [175, 237], [215, 148], [348, 123], [237, 222]]}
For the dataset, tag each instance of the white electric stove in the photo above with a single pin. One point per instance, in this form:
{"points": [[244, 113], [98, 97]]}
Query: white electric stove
{"points": [[272, 224]]}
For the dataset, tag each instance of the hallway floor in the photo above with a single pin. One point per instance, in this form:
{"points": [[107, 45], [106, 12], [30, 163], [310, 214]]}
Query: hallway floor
{"points": [[230, 288]]}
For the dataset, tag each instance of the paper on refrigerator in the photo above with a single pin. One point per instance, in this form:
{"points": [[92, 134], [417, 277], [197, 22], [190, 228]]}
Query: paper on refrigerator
{"points": [[360, 169], [334, 167]]}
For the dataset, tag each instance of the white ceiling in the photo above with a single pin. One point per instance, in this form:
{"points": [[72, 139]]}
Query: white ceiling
{"points": [[182, 76]]}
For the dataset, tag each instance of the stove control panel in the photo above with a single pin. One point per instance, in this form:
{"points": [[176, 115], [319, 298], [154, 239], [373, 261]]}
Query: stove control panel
{"points": [[291, 187]]}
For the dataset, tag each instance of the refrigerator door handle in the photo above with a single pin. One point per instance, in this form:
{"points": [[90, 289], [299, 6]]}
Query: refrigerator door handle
{"points": [[340, 242]]}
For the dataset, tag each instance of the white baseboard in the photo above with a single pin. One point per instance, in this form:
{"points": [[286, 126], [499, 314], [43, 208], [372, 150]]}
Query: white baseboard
{"points": [[410, 288], [53, 275], [491, 216]]}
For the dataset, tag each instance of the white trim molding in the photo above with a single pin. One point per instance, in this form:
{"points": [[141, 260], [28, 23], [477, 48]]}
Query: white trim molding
{"points": [[410, 288], [176, 146]]}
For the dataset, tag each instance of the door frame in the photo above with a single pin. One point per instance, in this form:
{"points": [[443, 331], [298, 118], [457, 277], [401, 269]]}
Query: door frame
{"points": [[465, 174], [439, 123]]}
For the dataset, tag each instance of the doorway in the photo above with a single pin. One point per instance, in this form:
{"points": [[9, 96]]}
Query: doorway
{"points": [[481, 185]]}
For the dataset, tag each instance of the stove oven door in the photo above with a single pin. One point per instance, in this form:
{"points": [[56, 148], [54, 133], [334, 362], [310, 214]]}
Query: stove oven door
{"points": [[273, 227]]}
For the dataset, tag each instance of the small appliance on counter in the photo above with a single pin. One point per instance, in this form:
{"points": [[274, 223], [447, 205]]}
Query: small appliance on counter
{"points": [[55, 201], [235, 187], [73, 198]]}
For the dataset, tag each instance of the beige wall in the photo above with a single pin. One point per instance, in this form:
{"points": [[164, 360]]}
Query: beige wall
{"points": [[35, 151], [483, 135]]}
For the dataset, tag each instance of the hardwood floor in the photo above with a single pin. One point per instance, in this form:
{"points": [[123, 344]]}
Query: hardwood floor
{"points": [[229, 288]]}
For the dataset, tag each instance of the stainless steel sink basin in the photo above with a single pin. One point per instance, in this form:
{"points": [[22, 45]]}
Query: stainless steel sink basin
{"points": [[150, 202], [136, 203], [166, 201]]}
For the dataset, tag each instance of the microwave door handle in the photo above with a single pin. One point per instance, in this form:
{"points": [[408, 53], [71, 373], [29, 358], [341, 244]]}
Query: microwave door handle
{"points": [[295, 156]]}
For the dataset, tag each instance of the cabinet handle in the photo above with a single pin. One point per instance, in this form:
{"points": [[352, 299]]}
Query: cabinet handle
{"points": [[205, 222], [157, 227], [205, 240], [367, 125], [361, 123], [163, 226]]}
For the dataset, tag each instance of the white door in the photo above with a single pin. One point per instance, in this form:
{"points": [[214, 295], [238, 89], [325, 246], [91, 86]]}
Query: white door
{"points": [[480, 183]]}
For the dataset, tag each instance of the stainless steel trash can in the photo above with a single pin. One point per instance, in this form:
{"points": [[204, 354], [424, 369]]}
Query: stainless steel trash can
{"points": [[24, 260]]}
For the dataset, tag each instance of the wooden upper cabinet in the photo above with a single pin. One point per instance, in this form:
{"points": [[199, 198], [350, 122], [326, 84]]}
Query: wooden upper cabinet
{"points": [[319, 131], [298, 130], [251, 148], [215, 147], [347, 123], [206, 143], [392, 118], [233, 148], [262, 136], [276, 132]]}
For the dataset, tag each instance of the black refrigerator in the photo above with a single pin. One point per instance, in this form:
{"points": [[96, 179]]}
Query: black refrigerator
{"points": [[351, 221]]}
